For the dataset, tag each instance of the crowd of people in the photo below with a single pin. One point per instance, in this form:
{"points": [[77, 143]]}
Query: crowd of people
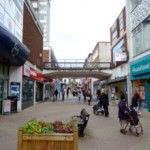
{"points": [[102, 96], [123, 108]]}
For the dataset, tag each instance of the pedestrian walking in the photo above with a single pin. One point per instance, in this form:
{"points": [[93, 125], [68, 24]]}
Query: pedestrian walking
{"points": [[84, 94], [79, 94], [105, 102], [89, 94]]}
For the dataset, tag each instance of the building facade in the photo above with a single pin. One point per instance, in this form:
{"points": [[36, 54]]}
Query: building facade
{"points": [[13, 53], [42, 10], [119, 58], [138, 20]]}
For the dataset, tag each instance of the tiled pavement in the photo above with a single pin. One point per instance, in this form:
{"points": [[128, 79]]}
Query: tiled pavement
{"points": [[100, 134]]}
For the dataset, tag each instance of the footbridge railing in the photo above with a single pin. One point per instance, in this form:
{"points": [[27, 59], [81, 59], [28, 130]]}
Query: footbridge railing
{"points": [[76, 65]]}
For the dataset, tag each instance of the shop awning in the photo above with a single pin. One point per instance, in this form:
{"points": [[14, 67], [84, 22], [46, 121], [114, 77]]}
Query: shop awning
{"points": [[12, 49]]}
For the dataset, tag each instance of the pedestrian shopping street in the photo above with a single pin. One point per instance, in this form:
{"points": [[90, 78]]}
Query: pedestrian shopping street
{"points": [[101, 133]]}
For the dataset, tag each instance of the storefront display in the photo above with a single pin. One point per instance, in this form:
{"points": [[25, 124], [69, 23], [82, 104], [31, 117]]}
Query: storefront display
{"points": [[140, 77], [139, 86], [27, 92], [39, 91]]}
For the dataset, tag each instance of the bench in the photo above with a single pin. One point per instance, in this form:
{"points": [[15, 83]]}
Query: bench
{"points": [[82, 121]]}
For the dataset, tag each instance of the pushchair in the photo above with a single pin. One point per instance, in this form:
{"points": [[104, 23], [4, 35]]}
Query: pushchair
{"points": [[98, 109], [133, 122]]}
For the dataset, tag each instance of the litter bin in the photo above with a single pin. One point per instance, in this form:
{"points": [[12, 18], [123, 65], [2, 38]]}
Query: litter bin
{"points": [[13, 100]]}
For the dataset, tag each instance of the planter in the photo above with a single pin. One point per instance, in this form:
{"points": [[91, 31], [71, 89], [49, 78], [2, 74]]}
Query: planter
{"points": [[54, 141]]}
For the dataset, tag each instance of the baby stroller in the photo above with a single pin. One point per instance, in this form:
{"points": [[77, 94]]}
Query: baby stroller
{"points": [[133, 122], [98, 109]]}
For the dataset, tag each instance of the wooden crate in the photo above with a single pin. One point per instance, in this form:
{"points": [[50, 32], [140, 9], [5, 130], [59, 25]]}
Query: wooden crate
{"points": [[55, 141]]}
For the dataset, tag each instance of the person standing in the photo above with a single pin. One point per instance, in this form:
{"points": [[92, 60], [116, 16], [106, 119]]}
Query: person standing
{"points": [[63, 94], [105, 102], [67, 91], [122, 113], [56, 93], [79, 93], [135, 102], [84, 94], [98, 93]]}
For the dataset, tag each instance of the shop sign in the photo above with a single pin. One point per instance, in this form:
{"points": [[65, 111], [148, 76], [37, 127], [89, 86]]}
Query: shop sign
{"points": [[121, 56], [140, 66], [32, 73]]}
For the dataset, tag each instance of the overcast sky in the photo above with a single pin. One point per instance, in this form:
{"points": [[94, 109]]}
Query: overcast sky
{"points": [[77, 25]]}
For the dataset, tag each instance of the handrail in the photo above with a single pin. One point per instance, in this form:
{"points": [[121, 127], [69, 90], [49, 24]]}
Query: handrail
{"points": [[76, 65]]}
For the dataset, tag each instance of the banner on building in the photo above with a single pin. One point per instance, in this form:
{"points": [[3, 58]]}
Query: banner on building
{"points": [[120, 56]]}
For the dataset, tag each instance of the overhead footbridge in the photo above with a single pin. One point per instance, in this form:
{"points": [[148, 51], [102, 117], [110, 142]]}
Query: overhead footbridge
{"points": [[77, 68]]}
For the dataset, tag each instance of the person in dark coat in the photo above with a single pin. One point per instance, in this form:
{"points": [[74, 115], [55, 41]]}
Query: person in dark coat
{"points": [[122, 113], [67, 92], [135, 100], [63, 94], [98, 93], [105, 102], [56, 93], [84, 94]]}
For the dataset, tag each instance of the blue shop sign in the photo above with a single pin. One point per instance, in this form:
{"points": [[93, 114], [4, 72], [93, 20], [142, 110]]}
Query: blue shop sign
{"points": [[140, 69]]}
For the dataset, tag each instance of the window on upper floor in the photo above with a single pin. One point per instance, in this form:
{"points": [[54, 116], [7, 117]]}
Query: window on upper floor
{"points": [[35, 4], [141, 37], [134, 3], [43, 3], [121, 23], [114, 34]]}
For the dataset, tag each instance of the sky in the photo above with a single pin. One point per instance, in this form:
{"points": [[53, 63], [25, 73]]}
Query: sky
{"points": [[77, 25]]}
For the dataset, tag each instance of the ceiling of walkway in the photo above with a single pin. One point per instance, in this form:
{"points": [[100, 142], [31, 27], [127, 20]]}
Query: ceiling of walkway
{"points": [[79, 74]]}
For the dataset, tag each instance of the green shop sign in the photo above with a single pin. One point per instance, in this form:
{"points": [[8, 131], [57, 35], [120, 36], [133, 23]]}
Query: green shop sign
{"points": [[140, 67]]}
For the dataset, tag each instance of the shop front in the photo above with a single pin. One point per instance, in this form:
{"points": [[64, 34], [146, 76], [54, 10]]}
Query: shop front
{"points": [[116, 86], [13, 54], [32, 87], [140, 77]]}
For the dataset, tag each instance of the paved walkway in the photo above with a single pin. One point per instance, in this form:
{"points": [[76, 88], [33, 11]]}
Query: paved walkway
{"points": [[101, 133]]}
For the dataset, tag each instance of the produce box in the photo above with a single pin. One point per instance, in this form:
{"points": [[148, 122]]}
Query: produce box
{"points": [[37, 135]]}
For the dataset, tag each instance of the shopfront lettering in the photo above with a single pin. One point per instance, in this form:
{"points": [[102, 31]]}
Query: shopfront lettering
{"points": [[141, 68], [33, 73]]}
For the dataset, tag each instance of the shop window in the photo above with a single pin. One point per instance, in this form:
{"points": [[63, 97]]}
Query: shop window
{"points": [[3, 89], [27, 90]]}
